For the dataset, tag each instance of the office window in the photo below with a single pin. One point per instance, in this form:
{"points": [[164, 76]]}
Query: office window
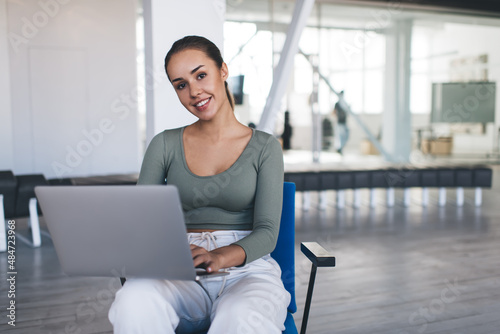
{"points": [[248, 52]]}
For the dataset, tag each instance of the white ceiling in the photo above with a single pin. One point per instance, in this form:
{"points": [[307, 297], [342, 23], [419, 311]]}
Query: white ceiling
{"points": [[336, 14]]}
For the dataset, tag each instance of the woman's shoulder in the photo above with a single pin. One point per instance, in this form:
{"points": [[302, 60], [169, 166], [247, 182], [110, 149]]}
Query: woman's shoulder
{"points": [[175, 131], [168, 134], [265, 139], [168, 137], [267, 144]]}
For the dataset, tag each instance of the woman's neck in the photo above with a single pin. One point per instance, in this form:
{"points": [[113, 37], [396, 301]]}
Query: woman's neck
{"points": [[225, 125]]}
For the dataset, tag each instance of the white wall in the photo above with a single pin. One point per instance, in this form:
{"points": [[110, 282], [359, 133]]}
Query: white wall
{"points": [[74, 87], [468, 41], [6, 141]]}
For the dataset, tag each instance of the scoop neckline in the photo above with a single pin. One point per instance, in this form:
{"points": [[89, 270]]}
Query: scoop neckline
{"points": [[186, 167]]}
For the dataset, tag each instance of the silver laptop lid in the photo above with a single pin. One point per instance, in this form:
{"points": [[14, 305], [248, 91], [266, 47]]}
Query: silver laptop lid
{"points": [[119, 231]]}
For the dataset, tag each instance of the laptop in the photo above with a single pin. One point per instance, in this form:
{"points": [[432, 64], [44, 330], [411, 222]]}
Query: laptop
{"points": [[119, 231]]}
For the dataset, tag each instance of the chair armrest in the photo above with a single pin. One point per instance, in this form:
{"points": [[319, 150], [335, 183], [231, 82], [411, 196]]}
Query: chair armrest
{"points": [[317, 254], [319, 258]]}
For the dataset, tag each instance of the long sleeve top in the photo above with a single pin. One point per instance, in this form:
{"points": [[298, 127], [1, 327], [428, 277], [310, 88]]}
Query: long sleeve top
{"points": [[246, 196]]}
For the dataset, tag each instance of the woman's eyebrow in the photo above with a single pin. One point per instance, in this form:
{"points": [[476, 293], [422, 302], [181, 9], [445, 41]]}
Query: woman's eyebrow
{"points": [[193, 71]]}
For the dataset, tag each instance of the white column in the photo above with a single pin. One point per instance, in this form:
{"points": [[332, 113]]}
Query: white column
{"points": [[316, 114], [442, 196], [356, 202], [396, 132], [323, 200], [306, 200], [166, 21], [282, 72], [390, 197], [478, 199], [6, 153], [340, 199], [406, 197], [373, 197], [425, 196], [460, 196]]}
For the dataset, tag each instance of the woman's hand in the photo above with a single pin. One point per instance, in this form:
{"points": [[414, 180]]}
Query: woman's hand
{"points": [[219, 258], [205, 259]]}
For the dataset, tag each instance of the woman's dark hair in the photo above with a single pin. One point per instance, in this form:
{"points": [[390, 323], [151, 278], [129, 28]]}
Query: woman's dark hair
{"points": [[204, 45]]}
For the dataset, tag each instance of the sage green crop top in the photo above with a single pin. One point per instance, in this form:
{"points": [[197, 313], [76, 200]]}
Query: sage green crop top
{"points": [[246, 196]]}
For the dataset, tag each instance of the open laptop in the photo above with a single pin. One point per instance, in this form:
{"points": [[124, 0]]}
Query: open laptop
{"points": [[119, 231]]}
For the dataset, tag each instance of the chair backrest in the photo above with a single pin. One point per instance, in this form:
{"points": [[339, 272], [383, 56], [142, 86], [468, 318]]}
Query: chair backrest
{"points": [[284, 253], [8, 188]]}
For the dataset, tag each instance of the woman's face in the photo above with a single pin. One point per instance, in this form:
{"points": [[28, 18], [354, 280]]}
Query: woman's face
{"points": [[199, 83]]}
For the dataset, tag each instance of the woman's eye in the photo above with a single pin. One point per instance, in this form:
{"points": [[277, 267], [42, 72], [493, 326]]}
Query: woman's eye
{"points": [[201, 75], [181, 86]]}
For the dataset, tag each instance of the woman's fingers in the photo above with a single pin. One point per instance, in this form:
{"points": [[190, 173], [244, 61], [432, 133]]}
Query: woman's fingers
{"points": [[200, 257], [196, 250], [205, 259]]}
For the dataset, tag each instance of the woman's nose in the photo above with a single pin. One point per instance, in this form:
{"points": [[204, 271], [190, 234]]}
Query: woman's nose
{"points": [[194, 90]]}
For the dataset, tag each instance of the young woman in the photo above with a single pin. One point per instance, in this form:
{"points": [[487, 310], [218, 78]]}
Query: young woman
{"points": [[230, 180]]}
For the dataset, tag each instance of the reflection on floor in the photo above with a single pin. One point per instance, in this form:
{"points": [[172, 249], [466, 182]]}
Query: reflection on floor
{"points": [[399, 270], [405, 270]]}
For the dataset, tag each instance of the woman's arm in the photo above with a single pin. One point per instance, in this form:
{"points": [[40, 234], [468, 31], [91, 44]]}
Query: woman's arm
{"points": [[268, 203], [153, 169]]}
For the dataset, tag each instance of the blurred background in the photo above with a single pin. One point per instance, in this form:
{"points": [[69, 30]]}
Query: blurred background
{"points": [[82, 88]]}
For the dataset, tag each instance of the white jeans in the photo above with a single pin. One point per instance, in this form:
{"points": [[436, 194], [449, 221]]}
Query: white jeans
{"points": [[251, 299]]}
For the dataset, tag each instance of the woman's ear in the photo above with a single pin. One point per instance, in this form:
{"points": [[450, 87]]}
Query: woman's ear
{"points": [[224, 71]]}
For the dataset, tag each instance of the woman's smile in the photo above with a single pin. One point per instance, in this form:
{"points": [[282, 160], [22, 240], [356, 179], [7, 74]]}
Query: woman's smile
{"points": [[203, 105]]}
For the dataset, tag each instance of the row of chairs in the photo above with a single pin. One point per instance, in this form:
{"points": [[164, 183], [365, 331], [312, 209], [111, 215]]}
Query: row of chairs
{"points": [[391, 178], [17, 199]]}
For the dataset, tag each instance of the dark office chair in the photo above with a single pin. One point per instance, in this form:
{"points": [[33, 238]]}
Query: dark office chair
{"points": [[8, 187], [284, 254]]}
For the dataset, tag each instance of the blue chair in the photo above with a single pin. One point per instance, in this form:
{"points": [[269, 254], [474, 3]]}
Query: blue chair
{"points": [[284, 254]]}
